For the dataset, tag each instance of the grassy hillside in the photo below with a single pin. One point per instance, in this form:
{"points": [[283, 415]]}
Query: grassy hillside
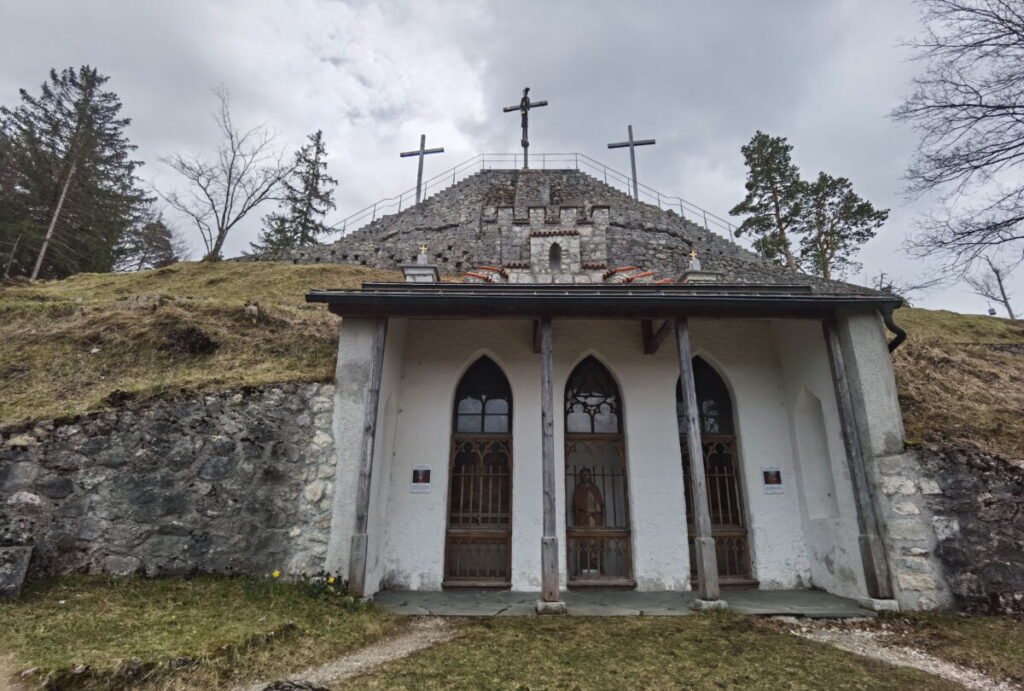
{"points": [[961, 379], [95, 340], [92, 340]]}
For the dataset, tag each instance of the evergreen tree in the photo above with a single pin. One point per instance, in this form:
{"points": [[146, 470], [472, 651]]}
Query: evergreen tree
{"points": [[308, 196], [68, 189], [772, 204], [151, 244], [833, 224]]}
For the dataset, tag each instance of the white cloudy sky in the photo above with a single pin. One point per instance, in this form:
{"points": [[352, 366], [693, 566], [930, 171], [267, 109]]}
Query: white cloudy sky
{"points": [[700, 77]]}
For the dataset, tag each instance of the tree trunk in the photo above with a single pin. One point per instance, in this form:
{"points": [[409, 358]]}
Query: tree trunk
{"points": [[53, 221], [1002, 291]]}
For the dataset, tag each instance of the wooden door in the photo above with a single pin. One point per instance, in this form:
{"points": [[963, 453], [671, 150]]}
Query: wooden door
{"points": [[722, 472], [478, 544]]}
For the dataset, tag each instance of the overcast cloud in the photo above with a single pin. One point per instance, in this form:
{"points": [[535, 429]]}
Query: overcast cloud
{"points": [[699, 77]]}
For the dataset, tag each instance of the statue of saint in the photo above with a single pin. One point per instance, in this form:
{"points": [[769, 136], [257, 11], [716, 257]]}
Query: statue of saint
{"points": [[588, 512], [587, 502]]}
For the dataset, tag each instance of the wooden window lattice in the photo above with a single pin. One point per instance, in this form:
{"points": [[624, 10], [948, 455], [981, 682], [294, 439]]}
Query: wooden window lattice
{"points": [[478, 541]]}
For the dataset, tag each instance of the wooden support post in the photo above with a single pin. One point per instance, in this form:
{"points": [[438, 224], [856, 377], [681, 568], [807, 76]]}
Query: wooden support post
{"points": [[872, 551], [549, 541], [704, 544], [652, 339], [359, 550]]}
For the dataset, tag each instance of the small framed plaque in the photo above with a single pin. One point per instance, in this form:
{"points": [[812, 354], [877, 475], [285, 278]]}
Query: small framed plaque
{"points": [[772, 479], [420, 478]]}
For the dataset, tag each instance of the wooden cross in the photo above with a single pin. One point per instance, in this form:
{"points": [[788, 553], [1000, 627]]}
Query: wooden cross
{"points": [[632, 144], [524, 107], [423, 151]]}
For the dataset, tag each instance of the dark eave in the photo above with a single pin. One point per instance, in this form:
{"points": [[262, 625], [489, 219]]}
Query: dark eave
{"points": [[588, 301]]}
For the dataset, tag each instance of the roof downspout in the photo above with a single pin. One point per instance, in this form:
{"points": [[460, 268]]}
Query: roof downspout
{"points": [[901, 335]]}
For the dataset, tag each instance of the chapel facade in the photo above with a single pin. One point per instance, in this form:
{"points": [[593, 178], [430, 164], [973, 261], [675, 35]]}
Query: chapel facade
{"points": [[566, 415]]}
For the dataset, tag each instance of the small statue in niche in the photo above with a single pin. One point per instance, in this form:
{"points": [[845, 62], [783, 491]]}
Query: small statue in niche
{"points": [[588, 512], [587, 502]]}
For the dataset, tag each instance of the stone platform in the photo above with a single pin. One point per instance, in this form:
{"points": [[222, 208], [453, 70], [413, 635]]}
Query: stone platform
{"points": [[607, 603]]}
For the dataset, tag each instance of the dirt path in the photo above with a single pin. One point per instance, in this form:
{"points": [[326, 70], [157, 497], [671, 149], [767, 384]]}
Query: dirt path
{"points": [[423, 633], [873, 644]]}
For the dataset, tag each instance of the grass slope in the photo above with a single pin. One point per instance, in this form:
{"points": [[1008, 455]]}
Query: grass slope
{"points": [[77, 345], [231, 633], [94, 340], [703, 651], [961, 380]]}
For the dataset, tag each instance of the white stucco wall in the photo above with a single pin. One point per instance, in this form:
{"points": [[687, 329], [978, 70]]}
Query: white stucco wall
{"points": [[384, 450], [872, 383], [745, 352], [355, 351], [828, 508]]}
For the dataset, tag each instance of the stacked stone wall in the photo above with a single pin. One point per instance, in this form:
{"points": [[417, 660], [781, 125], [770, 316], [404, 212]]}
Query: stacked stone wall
{"points": [[479, 221], [231, 482], [977, 503]]}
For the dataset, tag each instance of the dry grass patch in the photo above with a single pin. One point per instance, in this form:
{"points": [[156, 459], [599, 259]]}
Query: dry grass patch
{"points": [[93, 340], [991, 645], [706, 651], [961, 380], [205, 632]]}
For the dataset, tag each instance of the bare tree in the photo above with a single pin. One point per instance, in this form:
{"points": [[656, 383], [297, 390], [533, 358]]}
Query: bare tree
{"points": [[968, 107], [990, 283], [893, 285], [247, 171]]}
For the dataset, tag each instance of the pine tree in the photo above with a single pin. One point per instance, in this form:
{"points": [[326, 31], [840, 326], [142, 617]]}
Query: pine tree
{"points": [[68, 189], [308, 196], [772, 204], [151, 244], [834, 223]]}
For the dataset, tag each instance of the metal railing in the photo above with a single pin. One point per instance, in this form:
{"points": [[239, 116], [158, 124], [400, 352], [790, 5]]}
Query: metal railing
{"points": [[582, 162]]}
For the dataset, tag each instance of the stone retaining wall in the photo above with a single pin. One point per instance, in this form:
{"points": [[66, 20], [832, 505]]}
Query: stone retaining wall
{"points": [[977, 502], [231, 482]]}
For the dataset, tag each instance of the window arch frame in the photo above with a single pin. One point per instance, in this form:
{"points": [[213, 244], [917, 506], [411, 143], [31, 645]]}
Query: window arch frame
{"points": [[479, 488], [587, 548], [716, 444]]}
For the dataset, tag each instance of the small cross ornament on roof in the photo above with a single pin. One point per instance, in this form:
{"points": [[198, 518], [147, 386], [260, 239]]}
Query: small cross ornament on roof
{"points": [[693, 254], [423, 249], [524, 108]]}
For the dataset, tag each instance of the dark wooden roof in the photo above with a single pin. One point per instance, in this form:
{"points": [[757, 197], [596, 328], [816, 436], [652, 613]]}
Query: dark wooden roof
{"points": [[591, 301]]}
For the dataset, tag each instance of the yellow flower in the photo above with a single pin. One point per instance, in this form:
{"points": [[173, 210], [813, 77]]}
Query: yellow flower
{"points": [[276, 574], [331, 579]]}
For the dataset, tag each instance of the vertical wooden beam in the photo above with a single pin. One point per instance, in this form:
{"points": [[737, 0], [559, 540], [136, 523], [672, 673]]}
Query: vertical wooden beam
{"points": [[358, 552], [872, 551], [704, 544], [647, 336], [549, 541]]}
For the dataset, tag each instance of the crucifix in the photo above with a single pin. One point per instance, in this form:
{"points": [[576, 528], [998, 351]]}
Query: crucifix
{"points": [[423, 151], [632, 144], [524, 107]]}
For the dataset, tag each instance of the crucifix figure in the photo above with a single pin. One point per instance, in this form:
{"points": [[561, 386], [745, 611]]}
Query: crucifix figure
{"points": [[524, 107], [632, 144], [423, 151]]}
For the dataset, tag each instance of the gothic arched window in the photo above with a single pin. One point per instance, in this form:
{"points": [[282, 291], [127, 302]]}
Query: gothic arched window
{"points": [[722, 473], [479, 536], [597, 497], [713, 401], [483, 400], [592, 404]]}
